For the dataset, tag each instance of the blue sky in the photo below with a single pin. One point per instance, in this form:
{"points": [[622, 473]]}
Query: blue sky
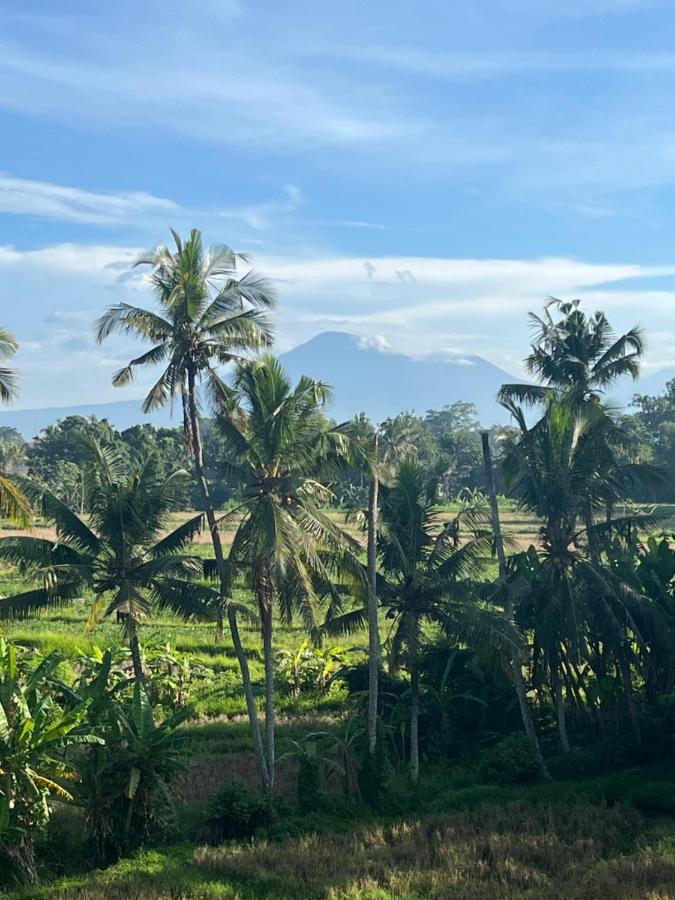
{"points": [[418, 175]]}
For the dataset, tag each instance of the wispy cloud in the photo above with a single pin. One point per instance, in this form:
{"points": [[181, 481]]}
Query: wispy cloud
{"points": [[262, 216], [21, 196], [252, 103], [356, 223], [62, 203], [465, 65]]}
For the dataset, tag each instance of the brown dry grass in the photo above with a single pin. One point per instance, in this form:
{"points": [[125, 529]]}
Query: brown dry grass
{"points": [[513, 852], [518, 851]]}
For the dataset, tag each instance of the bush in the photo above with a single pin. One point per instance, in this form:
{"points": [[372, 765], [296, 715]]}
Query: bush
{"points": [[310, 796], [603, 755], [512, 761], [236, 811], [654, 797], [374, 776]]}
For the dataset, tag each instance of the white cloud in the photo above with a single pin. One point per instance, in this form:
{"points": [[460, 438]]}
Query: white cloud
{"points": [[21, 196], [452, 308], [78, 259], [376, 342], [482, 303], [43, 199]]}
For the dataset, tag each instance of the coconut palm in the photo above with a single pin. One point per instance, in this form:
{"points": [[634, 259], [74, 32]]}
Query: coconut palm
{"points": [[120, 551], [207, 316], [13, 504], [8, 376], [577, 353], [281, 454], [425, 570]]}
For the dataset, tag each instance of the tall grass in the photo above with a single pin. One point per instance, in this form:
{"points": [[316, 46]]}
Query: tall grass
{"points": [[519, 852]]}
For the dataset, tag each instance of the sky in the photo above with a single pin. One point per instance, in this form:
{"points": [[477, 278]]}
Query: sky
{"points": [[420, 176]]}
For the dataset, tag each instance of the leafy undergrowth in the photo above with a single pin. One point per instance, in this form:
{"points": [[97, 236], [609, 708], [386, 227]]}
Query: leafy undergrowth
{"points": [[519, 850]]}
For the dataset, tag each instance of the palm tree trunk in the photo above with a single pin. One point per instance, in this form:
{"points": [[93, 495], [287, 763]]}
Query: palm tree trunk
{"points": [[624, 668], [135, 647], [265, 602], [414, 723], [373, 623], [516, 651], [559, 701], [193, 431]]}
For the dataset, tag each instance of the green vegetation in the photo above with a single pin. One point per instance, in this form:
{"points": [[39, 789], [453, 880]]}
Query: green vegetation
{"points": [[353, 670]]}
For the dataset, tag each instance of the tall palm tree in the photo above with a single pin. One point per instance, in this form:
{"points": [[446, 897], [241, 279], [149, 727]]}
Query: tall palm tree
{"points": [[281, 455], [119, 551], [425, 571], [374, 643], [577, 354], [13, 505], [207, 316]]}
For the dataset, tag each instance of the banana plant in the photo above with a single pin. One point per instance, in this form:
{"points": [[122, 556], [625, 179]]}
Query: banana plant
{"points": [[35, 735], [124, 785]]}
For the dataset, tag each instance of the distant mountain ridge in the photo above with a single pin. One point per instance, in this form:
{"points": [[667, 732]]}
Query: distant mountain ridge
{"points": [[364, 378], [382, 383]]}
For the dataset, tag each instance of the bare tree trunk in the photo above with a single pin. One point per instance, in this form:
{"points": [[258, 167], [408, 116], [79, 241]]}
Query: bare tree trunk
{"points": [[194, 433], [516, 652], [373, 623], [135, 647], [414, 723]]}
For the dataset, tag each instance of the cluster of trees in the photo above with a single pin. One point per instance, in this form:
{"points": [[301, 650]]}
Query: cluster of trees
{"points": [[582, 622], [446, 441]]}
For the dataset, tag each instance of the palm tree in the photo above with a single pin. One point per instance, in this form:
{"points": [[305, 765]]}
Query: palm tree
{"points": [[578, 354], [374, 643], [506, 587], [559, 469], [207, 317], [120, 551], [281, 454], [425, 571], [13, 504], [8, 376]]}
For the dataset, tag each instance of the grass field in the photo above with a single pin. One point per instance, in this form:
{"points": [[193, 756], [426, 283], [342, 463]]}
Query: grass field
{"points": [[540, 843], [596, 838]]}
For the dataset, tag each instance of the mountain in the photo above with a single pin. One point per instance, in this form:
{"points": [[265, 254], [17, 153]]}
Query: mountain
{"points": [[382, 383], [364, 378]]}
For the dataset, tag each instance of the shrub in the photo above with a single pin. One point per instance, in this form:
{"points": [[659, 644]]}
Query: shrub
{"points": [[124, 784], [35, 734], [511, 761], [654, 797], [373, 777], [236, 811], [601, 756]]}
